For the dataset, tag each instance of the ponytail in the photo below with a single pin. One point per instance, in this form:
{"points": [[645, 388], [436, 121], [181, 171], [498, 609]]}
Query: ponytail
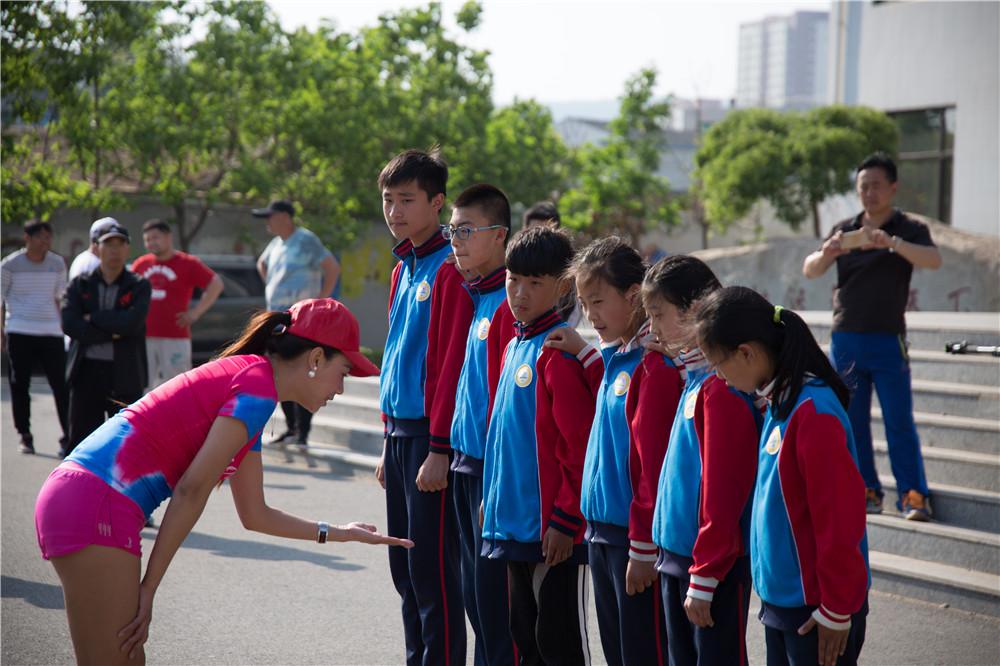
{"points": [[267, 333], [737, 315]]}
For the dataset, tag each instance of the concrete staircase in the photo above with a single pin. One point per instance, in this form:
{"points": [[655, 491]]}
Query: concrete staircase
{"points": [[954, 560]]}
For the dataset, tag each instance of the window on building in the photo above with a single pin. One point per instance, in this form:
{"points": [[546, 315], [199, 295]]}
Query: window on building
{"points": [[926, 155]]}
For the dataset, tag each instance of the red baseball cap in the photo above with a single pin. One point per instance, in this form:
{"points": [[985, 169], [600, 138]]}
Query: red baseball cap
{"points": [[330, 323]]}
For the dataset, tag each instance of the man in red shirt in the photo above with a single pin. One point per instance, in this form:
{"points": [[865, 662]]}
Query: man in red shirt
{"points": [[174, 275]]}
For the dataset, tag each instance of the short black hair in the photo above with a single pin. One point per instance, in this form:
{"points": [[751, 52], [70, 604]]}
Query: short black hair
{"points": [[35, 227], [156, 224], [490, 200], [882, 161], [543, 211], [427, 168], [540, 251], [680, 280]]}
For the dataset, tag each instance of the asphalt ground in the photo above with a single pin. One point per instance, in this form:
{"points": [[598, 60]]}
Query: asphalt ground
{"points": [[237, 597]]}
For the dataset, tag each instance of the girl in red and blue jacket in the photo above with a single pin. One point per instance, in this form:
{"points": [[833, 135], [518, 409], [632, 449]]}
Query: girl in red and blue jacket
{"points": [[637, 396], [701, 519], [808, 547]]}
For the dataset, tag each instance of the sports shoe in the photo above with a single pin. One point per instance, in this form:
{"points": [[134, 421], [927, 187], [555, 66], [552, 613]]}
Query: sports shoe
{"points": [[916, 507], [283, 438], [873, 501], [27, 444]]}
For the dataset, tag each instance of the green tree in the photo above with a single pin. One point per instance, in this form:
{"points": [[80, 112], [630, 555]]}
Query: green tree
{"points": [[617, 190], [793, 160]]}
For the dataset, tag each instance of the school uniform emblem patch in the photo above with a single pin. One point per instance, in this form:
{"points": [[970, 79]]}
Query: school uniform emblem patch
{"points": [[622, 382], [773, 442], [523, 376], [690, 402], [483, 331], [423, 291]]}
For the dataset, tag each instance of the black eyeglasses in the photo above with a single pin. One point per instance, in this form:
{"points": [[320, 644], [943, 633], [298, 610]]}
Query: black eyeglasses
{"points": [[465, 233]]}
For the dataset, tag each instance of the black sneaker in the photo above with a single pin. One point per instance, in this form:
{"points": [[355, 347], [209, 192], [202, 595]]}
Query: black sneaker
{"points": [[283, 438], [27, 444]]}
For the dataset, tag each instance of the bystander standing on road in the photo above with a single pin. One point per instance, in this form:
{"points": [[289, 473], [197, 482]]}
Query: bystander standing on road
{"points": [[87, 261], [34, 279], [173, 276], [875, 253], [294, 266], [104, 313]]}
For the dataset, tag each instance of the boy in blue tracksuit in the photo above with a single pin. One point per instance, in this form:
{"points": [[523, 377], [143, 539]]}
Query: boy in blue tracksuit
{"points": [[429, 315], [534, 459], [479, 230]]}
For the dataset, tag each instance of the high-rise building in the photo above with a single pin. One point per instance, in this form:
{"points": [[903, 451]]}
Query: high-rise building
{"points": [[783, 62]]}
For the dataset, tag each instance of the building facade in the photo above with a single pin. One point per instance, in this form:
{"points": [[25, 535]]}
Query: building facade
{"points": [[783, 62]]}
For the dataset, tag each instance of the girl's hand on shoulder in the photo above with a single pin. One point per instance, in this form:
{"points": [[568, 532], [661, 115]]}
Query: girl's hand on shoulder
{"points": [[699, 612], [832, 642], [367, 533], [137, 631], [566, 339], [639, 576]]}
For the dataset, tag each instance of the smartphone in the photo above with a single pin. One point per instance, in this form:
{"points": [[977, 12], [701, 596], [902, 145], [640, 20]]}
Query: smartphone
{"points": [[854, 239]]}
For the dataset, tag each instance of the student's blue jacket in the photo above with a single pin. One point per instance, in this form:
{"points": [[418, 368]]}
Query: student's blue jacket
{"points": [[429, 315], [535, 447], [808, 545], [701, 521], [472, 401]]}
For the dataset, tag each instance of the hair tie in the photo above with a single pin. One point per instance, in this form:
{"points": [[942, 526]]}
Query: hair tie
{"points": [[777, 315], [280, 329]]}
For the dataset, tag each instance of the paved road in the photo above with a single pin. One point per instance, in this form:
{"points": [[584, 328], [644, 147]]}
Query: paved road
{"points": [[236, 597]]}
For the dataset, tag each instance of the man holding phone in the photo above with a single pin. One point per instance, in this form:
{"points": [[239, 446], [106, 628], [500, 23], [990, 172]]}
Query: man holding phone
{"points": [[875, 253]]}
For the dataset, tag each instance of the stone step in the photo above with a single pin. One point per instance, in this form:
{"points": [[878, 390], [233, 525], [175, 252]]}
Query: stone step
{"points": [[956, 505], [952, 432], [935, 542], [361, 387], [956, 399], [949, 466], [941, 366], [975, 591], [927, 330]]}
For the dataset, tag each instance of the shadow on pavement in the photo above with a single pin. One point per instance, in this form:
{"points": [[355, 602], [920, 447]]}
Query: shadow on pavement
{"points": [[254, 550], [284, 486], [42, 595]]}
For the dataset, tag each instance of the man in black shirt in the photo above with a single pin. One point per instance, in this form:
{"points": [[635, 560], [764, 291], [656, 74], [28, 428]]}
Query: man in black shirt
{"points": [[875, 253]]}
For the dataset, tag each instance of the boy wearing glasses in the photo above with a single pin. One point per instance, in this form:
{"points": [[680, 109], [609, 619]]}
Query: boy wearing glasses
{"points": [[479, 230], [429, 315]]}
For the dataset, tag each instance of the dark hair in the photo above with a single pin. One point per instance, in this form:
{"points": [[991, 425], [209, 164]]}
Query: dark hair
{"points": [[882, 161], [680, 280], [733, 316], [539, 251], [267, 333], [427, 168], [543, 211], [490, 200], [157, 224], [35, 227], [615, 262]]}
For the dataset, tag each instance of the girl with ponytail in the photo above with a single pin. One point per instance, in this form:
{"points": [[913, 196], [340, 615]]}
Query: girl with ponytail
{"points": [[179, 442], [808, 548]]}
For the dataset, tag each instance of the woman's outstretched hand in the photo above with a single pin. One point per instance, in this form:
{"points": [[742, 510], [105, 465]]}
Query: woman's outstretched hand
{"points": [[365, 533], [137, 631]]}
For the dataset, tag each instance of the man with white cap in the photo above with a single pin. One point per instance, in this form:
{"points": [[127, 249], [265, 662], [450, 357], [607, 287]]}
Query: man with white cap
{"points": [[87, 261]]}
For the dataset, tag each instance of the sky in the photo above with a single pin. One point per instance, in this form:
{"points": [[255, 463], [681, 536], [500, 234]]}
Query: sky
{"points": [[583, 50]]}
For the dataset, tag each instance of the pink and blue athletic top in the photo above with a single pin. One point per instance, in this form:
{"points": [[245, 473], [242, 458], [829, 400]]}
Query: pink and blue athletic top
{"points": [[144, 450], [808, 545]]}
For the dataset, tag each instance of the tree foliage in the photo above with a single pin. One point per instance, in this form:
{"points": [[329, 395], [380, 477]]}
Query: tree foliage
{"points": [[793, 160], [617, 190]]}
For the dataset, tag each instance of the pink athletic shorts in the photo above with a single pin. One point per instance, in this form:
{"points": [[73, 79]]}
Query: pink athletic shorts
{"points": [[76, 509]]}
